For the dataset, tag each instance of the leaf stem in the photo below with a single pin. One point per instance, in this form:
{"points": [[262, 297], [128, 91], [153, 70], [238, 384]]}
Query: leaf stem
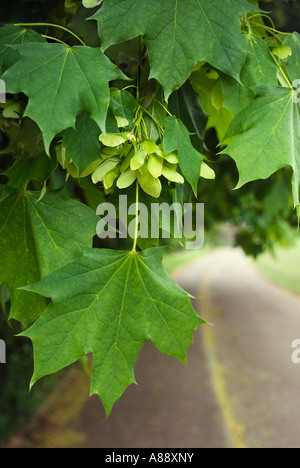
{"points": [[262, 15], [271, 30], [50, 25], [282, 72], [145, 128], [136, 217], [164, 107], [54, 39], [128, 87], [154, 120]]}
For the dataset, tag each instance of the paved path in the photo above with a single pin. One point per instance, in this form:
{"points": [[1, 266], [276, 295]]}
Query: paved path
{"points": [[240, 388], [250, 350]]}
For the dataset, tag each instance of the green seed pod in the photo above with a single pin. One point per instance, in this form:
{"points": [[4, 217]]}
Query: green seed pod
{"points": [[149, 146], [72, 171], [91, 3], [172, 175], [155, 165], [110, 177], [160, 151], [121, 122], [126, 179], [91, 168], [212, 74], [62, 157], [282, 52], [172, 158], [207, 172], [107, 152], [113, 139], [126, 162], [138, 160], [217, 95], [103, 169], [149, 184]]}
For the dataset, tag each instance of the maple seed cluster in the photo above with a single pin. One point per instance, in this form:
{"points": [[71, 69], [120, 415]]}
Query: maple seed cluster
{"points": [[127, 158]]}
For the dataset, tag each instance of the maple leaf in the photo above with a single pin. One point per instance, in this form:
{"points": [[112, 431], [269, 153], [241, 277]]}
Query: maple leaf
{"points": [[82, 143], [110, 303], [178, 34], [177, 138], [31, 163], [123, 105], [186, 105], [260, 68], [267, 137], [293, 62], [37, 237], [12, 35], [62, 82]]}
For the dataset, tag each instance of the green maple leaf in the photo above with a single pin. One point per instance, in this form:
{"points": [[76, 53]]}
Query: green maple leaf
{"points": [[267, 137], [293, 62], [178, 34], [186, 105], [31, 163], [4, 297], [82, 143], [260, 68], [159, 114], [236, 96], [177, 138], [205, 86], [123, 105], [110, 303], [37, 237], [62, 82], [6, 191], [12, 35]]}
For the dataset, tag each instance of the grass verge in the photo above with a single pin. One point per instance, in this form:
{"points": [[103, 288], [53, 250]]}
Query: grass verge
{"points": [[283, 267]]}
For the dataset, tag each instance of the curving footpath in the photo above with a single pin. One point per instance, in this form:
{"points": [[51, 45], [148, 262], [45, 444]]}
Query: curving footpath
{"points": [[249, 348], [240, 388]]}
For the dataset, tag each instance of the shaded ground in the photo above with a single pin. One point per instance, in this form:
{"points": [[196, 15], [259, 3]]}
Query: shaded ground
{"points": [[240, 387]]}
